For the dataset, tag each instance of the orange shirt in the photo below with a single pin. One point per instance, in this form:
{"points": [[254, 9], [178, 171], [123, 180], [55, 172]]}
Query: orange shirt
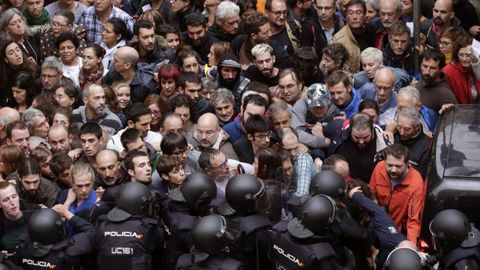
{"points": [[404, 203]]}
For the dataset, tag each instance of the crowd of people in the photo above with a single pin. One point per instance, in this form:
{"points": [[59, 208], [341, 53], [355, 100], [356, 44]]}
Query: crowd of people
{"points": [[229, 134]]}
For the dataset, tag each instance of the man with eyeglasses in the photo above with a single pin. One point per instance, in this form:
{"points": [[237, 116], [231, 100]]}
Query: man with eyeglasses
{"points": [[354, 36], [208, 134], [382, 89], [282, 32], [320, 28], [51, 74], [263, 70], [410, 134], [258, 132]]}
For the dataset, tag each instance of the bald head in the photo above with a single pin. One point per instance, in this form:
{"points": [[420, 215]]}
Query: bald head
{"points": [[384, 81], [207, 130], [390, 11], [108, 166], [8, 115], [59, 139], [128, 55], [443, 13]]}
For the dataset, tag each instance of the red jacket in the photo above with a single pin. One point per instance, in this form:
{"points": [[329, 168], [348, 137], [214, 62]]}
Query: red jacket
{"points": [[404, 203], [459, 81]]}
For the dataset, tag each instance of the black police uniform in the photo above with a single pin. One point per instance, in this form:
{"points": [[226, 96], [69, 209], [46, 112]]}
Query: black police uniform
{"points": [[179, 222], [462, 258], [291, 253], [62, 255], [189, 262], [127, 244]]}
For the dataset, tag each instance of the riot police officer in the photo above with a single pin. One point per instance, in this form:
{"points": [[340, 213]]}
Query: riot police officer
{"points": [[188, 202], [455, 240], [46, 245], [129, 233], [301, 243], [244, 208], [404, 258], [208, 236]]}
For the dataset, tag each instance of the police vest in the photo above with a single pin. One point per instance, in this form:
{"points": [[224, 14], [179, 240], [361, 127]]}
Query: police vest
{"points": [[126, 245], [289, 254], [62, 255], [459, 254], [186, 261]]}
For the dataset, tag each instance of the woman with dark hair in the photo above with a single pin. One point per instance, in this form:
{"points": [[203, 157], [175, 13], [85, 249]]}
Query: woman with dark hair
{"points": [[172, 37], [62, 116], [13, 25], [115, 34], [67, 46], [267, 164], [23, 91], [217, 51], [189, 61], [92, 70], [14, 62], [447, 39], [67, 96]]}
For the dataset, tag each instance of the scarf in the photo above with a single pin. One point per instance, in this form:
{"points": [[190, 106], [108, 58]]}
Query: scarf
{"points": [[86, 78], [43, 19], [85, 205]]}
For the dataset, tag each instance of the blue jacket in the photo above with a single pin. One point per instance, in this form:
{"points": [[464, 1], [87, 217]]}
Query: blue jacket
{"points": [[352, 108], [234, 130]]}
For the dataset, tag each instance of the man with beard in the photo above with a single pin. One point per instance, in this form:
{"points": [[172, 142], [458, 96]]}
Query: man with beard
{"points": [[435, 92], [230, 76], [223, 102], [399, 188], [208, 134], [361, 146], [190, 84], [390, 12], [264, 70], [282, 32], [197, 35], [31, 186], [96, 111], [138, 167], [146, 44], [410, 134], [443, 18], [110, 174]]}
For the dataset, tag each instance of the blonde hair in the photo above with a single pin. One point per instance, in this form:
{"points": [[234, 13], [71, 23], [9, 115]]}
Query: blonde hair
{"points": [[80, 169], [261, 49]]}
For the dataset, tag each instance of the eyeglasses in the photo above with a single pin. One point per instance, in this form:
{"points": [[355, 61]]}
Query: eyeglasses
{"points": [[279, 13], [406, 129], [320, 8], [223, 165], [155, 112], [444, 43], [263, 136], [58, 25]]}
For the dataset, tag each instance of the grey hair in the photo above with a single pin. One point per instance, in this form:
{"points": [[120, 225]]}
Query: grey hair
{"points": [[226, 10], [209, 83], [52, 62], [5, 119], [398, 3], [7, 17], [374, 3], [28, 117], [412, 114], [374, 53], [262, 48], [411, 92], [278, 107], [86, 90], [222, 95]]}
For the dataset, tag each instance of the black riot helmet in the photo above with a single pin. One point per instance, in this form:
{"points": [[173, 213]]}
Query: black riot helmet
{"points": [[46, 227], [208, 232], [328, 183], [315, 215], [245, 193], [450, 229], [404, 258], [134, 199], [198, 188]]}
